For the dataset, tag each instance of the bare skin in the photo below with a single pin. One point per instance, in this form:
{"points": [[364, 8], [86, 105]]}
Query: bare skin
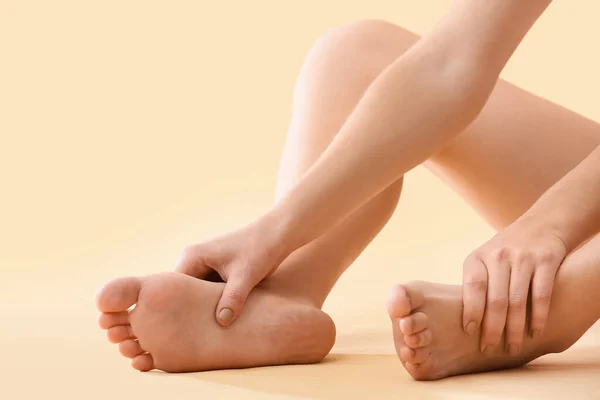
{"points": [[485, 165], [430, 341], [172, 326], [420, 101]]}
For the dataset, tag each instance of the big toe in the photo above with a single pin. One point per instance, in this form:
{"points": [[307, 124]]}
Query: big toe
{"points": [[118, 295], [403, 299]]}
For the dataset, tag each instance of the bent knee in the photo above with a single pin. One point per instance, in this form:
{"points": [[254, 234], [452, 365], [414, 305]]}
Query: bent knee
{"points": [[369, 36]]}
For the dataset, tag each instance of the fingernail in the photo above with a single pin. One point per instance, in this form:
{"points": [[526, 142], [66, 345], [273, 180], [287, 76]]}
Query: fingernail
{"points": [[513, 349], [225, 315], [535, 334], [471, 328]]}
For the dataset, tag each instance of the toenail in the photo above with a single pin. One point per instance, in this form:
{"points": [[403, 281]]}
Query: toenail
{"points": [[404, 325], [471, 328], [513, 349], [226, 315]]}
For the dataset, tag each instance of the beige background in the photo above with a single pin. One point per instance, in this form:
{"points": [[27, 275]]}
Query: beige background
{"points": [[129, 129]]}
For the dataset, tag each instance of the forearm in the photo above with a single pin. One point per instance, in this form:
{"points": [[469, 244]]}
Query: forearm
{"points": [[572, 206], [409, 112]]}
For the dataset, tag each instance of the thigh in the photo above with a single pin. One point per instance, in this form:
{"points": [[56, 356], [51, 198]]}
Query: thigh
{"points": [[517, 148]]}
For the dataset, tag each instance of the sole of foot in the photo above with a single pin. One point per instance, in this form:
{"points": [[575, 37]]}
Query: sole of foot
{"points": [[172, 327]]}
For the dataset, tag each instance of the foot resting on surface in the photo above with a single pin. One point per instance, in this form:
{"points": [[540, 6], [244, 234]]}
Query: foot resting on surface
{"points": [[431, 343], [172, 327]]}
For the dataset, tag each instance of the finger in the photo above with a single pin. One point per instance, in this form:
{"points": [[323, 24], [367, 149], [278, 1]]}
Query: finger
{"points": [[233, 298], [542, 284], [475, 283], [520, 279], [191, 262], [494, 319]]}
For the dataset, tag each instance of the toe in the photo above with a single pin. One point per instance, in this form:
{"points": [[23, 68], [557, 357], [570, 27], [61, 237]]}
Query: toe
{"points": [[108, 320], [415, 322], [415, 356], [417, 340], [421, 371], [130, 348], [403, 299], [119, 333], [143, 362], [412, 369], [118, 295]]}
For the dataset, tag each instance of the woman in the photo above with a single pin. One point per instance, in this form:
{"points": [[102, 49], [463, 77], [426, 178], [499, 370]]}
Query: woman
{"points": [[371, 103]]}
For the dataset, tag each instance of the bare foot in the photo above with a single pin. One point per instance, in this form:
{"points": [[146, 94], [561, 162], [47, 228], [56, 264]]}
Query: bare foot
{"points": [[430, 341], [172, 327]]}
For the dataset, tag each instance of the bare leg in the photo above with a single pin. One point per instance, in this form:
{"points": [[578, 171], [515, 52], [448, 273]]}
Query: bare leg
{"points": [[498, 165], [430, 341], [339, 68], [282, 323], [337, 71]]}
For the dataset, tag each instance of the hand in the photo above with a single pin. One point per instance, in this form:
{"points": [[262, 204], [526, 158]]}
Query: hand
{"points": [[497, 277], [242, 259]]}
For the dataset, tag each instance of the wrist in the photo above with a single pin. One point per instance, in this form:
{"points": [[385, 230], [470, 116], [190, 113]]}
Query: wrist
{"points": [[550, 223], [277, 230]]}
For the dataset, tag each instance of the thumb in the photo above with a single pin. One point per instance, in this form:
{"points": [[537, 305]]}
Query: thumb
{"points": [[232, 301], [192, 263]]}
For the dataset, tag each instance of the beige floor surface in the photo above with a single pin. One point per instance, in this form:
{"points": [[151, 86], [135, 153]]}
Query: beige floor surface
{"points": [[129, 129]]}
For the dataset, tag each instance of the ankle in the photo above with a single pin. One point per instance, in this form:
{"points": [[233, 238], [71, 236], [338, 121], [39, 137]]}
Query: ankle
{"points": [[289, 288]]}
